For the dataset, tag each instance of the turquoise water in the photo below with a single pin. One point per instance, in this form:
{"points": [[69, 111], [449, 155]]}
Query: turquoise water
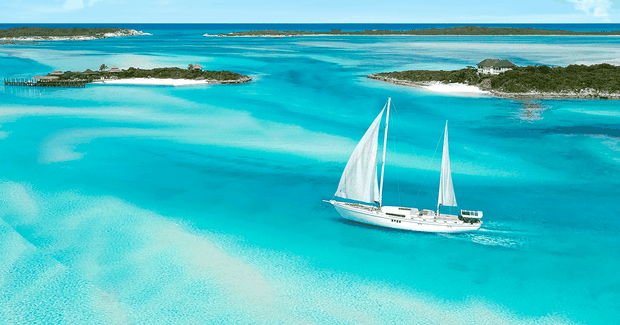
{"points": [[202, 204]]}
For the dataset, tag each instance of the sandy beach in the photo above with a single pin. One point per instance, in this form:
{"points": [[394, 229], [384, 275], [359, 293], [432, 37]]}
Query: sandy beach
{"points": [[455, 89], [156, 82], [458, 89]]}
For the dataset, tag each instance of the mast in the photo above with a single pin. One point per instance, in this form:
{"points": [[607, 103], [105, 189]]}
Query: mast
{"points": [[387, 119], [441, 175]]}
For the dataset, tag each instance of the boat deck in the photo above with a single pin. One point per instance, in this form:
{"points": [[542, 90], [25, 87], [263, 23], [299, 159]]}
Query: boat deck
{"points": [[408, 215]]}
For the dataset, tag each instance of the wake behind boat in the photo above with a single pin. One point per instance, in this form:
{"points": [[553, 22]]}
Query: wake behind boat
{"points": [[359, 183]]}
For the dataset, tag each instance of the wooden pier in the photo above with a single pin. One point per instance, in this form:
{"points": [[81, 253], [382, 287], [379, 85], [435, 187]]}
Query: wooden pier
{"points": [[46, 83]]}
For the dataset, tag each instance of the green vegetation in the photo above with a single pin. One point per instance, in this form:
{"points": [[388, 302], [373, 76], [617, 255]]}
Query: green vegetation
{"points": [[465, 30], [467, 76], [601, 78], [158, 73], [58, 32]]}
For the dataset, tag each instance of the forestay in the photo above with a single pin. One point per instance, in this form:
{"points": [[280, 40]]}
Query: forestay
{"points": [[359, 179], [446, 190]]}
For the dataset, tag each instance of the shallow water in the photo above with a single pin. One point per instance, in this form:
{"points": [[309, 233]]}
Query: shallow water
{"points": [[137, 204]]}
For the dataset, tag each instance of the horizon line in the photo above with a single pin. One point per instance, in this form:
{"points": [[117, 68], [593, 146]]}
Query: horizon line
{"points": [[315, 23]]}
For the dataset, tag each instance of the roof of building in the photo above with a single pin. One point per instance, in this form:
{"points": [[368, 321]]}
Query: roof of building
{"points": [[56, 72], [495, 63], [45, 77], [115, 69], [197, 67]]}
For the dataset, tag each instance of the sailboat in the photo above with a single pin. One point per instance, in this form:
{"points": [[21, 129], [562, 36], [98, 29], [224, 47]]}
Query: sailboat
{"points": [[359, 186]]}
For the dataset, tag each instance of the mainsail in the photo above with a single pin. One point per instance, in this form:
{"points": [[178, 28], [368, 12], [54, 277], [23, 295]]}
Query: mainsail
{"points": [[446, 190], [359, 179]]}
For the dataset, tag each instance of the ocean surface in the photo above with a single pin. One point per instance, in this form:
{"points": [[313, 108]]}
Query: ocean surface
{"points": [[203, 204]]}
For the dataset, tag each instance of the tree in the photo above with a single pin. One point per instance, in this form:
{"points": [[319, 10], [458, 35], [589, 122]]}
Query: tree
{"points": [[103, 67], [190, 67]]}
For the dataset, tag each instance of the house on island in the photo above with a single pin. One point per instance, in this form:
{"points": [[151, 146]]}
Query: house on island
{"points": [[89, 71], [196, 67], [56, 73], [494, 66], [115, 69]]}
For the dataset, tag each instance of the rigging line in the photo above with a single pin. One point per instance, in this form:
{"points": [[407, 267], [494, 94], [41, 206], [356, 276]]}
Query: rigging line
{"points": [[409, 142], [426, 172], [397, 177], [400, 120], [425, 181]]}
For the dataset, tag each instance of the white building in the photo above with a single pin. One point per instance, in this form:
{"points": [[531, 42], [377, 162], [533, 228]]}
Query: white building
{"points": [[494, 66]]}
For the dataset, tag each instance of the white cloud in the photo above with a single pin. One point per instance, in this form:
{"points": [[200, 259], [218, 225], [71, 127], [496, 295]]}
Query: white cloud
{"points": [[596, 8], [77, 4], [73, 4]]}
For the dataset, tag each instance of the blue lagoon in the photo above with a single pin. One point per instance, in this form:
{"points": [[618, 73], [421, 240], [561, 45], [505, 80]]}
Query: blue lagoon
{"points": [[203, 204]]}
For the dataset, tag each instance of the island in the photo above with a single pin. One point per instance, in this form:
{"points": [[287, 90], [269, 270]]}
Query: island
{"points": [[452, 31], [170, 76], [21, 34], [501, 78]]}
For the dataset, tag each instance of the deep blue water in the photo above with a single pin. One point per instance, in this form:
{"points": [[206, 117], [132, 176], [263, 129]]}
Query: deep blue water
{"points": [[202, 204], [322, 27]]}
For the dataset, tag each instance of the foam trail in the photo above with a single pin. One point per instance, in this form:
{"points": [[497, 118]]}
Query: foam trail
{"points": [[505, 232], [489, 239]]}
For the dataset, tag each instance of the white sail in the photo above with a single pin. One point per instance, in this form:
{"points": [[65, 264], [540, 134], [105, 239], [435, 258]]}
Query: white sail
{"points": [[446, 190], [359, 179]]}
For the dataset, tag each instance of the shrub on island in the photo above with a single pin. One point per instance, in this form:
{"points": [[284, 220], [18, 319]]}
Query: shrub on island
{"points": [[57, 32], [603, 78], [158, 73]]}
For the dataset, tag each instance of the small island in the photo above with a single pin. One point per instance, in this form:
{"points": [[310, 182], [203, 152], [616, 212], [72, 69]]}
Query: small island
{"points": [[22, 34], [172, 76], [503, 79], [452, 31]]}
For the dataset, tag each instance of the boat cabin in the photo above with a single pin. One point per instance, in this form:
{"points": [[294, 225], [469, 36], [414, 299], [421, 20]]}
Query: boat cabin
{"points": [[470, 216]]}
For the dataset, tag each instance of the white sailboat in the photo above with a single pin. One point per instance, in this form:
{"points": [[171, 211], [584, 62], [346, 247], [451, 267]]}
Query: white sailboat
{"points": [[359, 183]]}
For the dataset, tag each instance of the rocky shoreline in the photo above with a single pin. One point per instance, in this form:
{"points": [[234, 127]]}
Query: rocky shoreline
{"points": [[450, 31], [170, 82], [587, 93], [37, 38], [583, 94], [408, 83], [171, 76]]}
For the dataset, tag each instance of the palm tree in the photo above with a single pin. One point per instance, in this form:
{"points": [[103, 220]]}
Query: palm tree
{"points": [[103, 67], [190, 67]]}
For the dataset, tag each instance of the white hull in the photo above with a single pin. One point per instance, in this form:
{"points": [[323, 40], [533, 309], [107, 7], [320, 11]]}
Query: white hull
{"points": [[403, 218]]}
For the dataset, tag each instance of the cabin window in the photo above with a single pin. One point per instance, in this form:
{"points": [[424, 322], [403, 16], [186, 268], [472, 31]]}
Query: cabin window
{"points": [[469, 220]]}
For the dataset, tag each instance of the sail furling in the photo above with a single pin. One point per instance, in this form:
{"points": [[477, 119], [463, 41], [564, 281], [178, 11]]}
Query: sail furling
{"points": [[446, 190], [359, 179]]}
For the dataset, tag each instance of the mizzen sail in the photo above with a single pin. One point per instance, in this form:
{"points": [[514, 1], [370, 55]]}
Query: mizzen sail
{"points": [[446, 190], [359, 179]]}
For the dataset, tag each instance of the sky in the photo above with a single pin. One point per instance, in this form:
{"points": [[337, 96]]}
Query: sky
{"points": [[303, 11]]}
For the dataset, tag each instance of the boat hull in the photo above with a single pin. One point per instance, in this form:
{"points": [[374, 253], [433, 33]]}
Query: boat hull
{"points": [[379, 217]]}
